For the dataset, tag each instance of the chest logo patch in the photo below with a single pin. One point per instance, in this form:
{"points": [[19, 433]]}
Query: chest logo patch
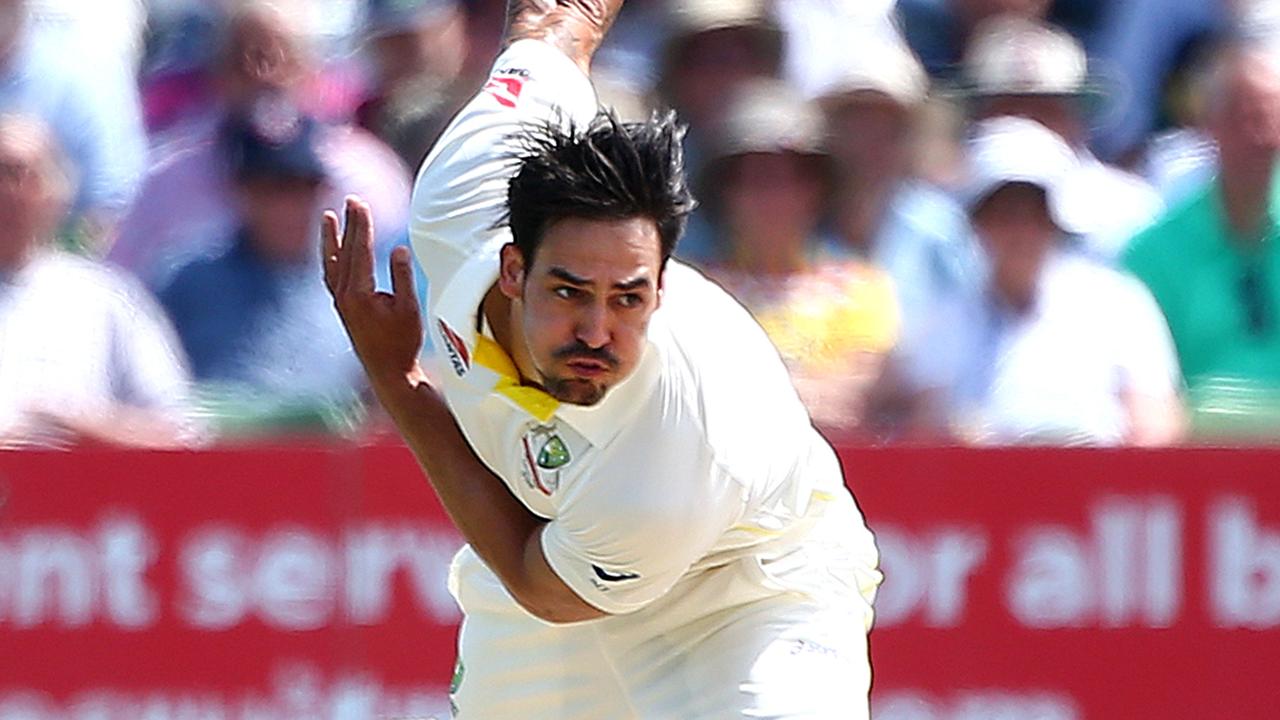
{"points": [[545, 454], [554, 454]]}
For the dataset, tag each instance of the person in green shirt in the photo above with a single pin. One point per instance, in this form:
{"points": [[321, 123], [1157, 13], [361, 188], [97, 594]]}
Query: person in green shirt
{"points": [[1213, 263]]}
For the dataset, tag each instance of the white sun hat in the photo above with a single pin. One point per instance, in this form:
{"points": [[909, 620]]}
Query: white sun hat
{"points": [[1006, 150]]}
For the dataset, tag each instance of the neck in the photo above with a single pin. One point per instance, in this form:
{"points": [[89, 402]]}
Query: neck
{"points": [[1018, 296], [498, 311], [1016, 284], [1246, 200]]}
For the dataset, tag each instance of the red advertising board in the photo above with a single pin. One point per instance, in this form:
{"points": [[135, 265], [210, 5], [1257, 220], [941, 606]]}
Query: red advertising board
{"points": [[309, 582], [1074, 583]]}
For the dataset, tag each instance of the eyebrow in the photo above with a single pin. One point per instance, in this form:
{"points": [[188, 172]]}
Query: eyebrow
{"points": [[625, 286]]}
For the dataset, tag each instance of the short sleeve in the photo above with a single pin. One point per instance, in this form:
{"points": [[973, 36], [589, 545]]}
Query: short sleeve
{"points": [[624, 537]]}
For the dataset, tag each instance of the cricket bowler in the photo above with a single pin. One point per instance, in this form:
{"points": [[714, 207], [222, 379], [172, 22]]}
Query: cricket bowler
{"points": [[655, 530]]}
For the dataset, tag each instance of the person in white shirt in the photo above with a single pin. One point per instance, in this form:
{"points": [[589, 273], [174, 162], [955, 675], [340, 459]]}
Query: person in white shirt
{"points": [[1054, 347], [655, 530], [85, 353]]}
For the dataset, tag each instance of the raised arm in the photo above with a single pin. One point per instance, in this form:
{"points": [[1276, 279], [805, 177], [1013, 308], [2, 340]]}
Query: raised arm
{"points": [[459, 196], [539, 78]]}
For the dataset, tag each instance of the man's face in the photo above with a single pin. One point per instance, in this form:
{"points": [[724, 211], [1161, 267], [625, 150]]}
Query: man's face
{"points": [[28, 201], [713, 66], [265, 56], [281, 216], [582, 308], [773, 196], [1246, 119], [435, 51], [871, 136], [1018, 233]]}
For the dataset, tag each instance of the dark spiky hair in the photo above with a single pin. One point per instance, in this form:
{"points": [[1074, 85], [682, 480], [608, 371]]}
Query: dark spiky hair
{"points": [[609, 170]]}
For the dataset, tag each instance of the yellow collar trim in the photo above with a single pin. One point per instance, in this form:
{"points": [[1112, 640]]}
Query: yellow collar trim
{"points": [[490, 355]]}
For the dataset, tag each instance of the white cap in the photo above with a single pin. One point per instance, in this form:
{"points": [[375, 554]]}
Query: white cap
{"points": [[1006, 150], [1017, 56], [881, 65]]}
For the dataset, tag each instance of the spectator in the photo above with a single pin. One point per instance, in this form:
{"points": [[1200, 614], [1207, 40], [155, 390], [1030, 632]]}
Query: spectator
{"points": [[418, 48], [94, 113], [1026, 69], [714, 48], [85, 354], [822, 33], [174, 76], [1213, 263], [883, 211], [272, 335], [940, 30], [1055, 347], [767, 187], [188, 208]]}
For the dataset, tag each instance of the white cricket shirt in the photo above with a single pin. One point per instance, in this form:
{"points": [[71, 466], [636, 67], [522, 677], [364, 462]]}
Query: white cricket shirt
{"points": [[700, 469], [82, 337]]}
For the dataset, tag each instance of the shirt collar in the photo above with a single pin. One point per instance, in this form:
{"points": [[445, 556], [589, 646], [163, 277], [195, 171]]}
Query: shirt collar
{"points": [[480, 362]]}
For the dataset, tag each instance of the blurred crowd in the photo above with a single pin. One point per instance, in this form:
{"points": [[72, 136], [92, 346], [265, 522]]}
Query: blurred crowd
{"points": [[981, 221]]}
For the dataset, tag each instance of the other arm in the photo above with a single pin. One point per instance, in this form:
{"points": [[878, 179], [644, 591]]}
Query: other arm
{"points": [[386, 331]]}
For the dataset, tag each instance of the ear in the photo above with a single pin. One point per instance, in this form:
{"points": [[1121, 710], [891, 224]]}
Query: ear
{"points": [[662, 277], [511, 272]]}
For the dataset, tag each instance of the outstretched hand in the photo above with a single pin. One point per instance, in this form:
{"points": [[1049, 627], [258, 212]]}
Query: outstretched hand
{"points": [[385, 328]]}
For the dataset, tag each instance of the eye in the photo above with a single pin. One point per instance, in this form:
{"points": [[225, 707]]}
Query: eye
{"points": [[566, 292], [630, 300]]}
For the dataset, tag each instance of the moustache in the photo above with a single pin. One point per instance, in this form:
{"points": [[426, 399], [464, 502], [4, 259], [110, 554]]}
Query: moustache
{"points": [[580, 351]]}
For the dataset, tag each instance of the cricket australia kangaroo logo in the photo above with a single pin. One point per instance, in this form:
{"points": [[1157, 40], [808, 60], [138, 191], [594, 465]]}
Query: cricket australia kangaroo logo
{"points": [[545, 454]]}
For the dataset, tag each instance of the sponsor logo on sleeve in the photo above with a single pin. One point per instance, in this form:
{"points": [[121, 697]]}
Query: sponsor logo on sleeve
{"points": [[455, 348], [506, 85]]}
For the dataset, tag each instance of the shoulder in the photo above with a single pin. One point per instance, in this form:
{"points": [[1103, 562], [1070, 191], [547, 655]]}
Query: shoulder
{"points": [[200, 272], [702, 330], [1104, 290], [93, 286], [928, 208], [1178, 229], [720, 368], [82, 275]]}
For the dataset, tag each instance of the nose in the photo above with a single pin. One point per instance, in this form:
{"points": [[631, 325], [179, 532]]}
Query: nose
{"points": [[593, 326]]}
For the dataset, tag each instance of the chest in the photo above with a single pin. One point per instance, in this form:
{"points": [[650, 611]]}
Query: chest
{"points": [[541, 462], [1226, 319], [1063, 353]]}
